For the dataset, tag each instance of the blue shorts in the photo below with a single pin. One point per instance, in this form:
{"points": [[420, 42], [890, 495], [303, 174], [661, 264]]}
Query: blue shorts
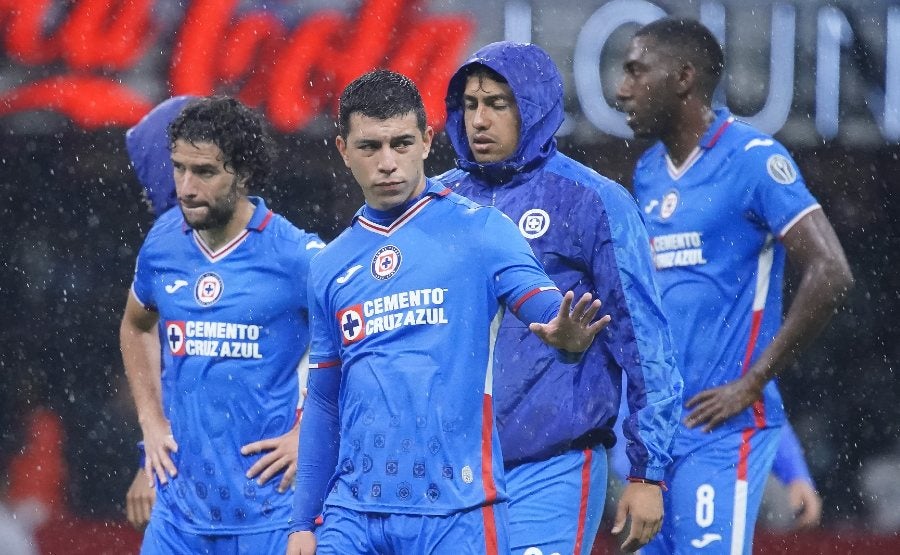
{"points": [[556, 505], [476, 531], [715, 488], [163, 538]]}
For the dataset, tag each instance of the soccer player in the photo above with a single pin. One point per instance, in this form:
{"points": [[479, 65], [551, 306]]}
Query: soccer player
{"points": [[148, 148], [555, 420], [724, 205], [223, 280], [405, 311]]}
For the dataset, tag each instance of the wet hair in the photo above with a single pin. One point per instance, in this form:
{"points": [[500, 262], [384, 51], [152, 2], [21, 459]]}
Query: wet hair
{"points": [[482, 72], [690, 41], [381, 95], [239, 132]]}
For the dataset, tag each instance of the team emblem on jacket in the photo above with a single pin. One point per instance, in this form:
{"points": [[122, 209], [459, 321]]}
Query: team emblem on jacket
{"points": [[534, 223], [208, 289], [669, 204], [780, 169], [386, 262]]}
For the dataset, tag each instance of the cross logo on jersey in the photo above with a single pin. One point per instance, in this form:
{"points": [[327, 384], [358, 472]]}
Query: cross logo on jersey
{"points": [[386, 262], [175, 337], [351, 323], [534, 223], [208, 289], [669, 204]]}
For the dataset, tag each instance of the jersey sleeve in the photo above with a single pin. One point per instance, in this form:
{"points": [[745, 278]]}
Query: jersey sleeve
{"points": [[309, 247], [519, 279], [323, 343], [142, 286], [320, 428], [790, 464], [780, 196], [617, 249]]}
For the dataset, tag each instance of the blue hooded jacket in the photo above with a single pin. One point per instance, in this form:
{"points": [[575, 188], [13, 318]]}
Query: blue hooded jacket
{"points": [[148, 147], [588, 233]]}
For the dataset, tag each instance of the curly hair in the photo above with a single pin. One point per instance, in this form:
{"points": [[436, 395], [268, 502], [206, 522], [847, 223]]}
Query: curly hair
{"points": [[380, 94], [239, 132]]}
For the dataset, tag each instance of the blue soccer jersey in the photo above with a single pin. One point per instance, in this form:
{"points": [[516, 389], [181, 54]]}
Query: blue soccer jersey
{"points": [[404, 320], [715, 225], [234, 328]]}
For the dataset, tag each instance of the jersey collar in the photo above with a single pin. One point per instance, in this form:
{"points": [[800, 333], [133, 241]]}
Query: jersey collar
{"points": [[715, 131], [261, 217], [433, 190]]}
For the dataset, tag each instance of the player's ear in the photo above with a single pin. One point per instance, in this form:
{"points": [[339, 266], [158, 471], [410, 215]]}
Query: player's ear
{"points": [[341, 145], [427, 139], [686, 79]]}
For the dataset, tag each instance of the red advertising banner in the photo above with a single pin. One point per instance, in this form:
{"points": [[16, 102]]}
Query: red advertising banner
{"points": [[292, 74]]}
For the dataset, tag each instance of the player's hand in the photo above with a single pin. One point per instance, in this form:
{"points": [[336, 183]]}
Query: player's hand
{"points": [[282, 455], [139, 501], [158, 443], [806, 503], [643, 503], [301, 543], [572, 329], [712, 407]]}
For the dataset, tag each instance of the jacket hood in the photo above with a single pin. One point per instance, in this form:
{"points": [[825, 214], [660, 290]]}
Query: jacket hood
{"points": [[148, 148], [538, 88]]}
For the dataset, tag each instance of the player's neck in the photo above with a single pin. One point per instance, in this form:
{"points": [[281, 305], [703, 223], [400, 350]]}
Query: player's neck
{"points": [[215, 238], [684, 136]]}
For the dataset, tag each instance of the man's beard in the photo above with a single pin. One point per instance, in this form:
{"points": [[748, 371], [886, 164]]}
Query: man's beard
{"points": [[218, 214]]}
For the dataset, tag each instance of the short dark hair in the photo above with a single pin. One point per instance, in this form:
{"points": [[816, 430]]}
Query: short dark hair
{"points": [[691, 41], [239, 132], [482, 71], [380, 94]]}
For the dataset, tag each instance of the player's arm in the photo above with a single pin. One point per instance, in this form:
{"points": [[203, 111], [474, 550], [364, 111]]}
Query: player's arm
{"points": [[139, 501], [791, 470], [320, 430], [622, 274], [521, 282], [813, 248], [140, 347]]}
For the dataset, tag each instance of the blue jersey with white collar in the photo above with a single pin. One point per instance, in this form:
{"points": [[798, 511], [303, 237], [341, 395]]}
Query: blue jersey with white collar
{"points": [[715, 225], [233, 325], [404, 320]]}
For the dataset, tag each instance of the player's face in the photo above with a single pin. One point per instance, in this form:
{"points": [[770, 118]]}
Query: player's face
{"points": [[646, 94], [492, 119], [387, 157], [207, 191]]}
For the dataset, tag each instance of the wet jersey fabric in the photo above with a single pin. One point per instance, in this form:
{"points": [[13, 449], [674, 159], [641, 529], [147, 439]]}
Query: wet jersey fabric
{"points": [[404, 321], [715, 225], [233, 325], [588, 233]]}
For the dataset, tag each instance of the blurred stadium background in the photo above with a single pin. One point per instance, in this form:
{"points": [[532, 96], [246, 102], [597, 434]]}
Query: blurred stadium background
{"points": [[823, 76]]}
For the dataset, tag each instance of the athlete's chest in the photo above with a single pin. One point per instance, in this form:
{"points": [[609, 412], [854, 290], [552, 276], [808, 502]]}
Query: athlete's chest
{"points": [[698, 216], [246, 284]]}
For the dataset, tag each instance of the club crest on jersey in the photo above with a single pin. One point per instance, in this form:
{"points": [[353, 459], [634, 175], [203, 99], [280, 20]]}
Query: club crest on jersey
{"points": [[208, 289], [175, 337], [386, 262], [780, 169], [534, 223], [669, 204], [351, 323]]}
